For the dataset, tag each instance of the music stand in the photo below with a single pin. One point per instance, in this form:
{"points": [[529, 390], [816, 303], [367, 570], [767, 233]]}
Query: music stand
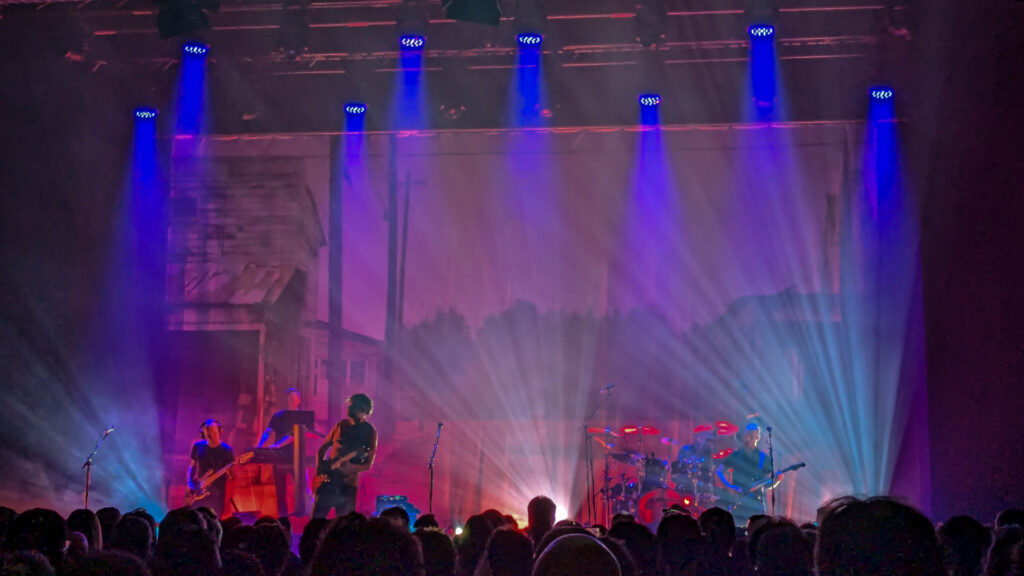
{"points": [[298, 421]]}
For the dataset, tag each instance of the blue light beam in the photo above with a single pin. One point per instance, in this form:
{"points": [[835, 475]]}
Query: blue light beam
{"points": [[529, 95], [192, 89], [763, 70]]}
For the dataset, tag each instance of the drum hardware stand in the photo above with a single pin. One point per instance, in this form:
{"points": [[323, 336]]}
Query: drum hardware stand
{"points": [[430, 466], [588, 455], [771, 464], [88, 463]]}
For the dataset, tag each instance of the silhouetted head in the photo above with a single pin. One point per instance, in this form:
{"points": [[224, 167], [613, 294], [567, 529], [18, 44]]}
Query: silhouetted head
{"points": [[108, 517], [426, 521], [509, 553], [270, 546], [438, 552], [132, 534], [356, 546], [719, 527], [783, 550], [310, 539], [541, 516], [876, 537], [576, 555], [38, 529], [1010, 516], [188, 550], [398, 515], [86, 522], [964, 542]]}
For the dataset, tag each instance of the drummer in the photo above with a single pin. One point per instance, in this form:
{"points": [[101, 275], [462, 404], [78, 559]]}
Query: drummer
{"points": [[699, 452]]}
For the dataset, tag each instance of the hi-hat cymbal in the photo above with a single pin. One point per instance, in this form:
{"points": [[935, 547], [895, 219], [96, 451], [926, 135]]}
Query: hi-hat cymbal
{"points": [[642, 430]]}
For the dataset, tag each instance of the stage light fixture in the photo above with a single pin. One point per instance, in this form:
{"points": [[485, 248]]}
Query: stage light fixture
{"points": [[146, 113], [195, 49], [761, 31], [355, 108], [881, 93], [529, 40], [412, 41], [293, 31], [650, 100], [531, 17], [184, 17]]}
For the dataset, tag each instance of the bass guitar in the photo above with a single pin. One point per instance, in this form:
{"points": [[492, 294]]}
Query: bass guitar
{"points": [[332, 470], [202, 484], [750, 492]]}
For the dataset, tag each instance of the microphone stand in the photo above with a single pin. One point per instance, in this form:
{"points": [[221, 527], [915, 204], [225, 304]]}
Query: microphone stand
{"points": [[88, 463], [771, 464], [430, 466]]}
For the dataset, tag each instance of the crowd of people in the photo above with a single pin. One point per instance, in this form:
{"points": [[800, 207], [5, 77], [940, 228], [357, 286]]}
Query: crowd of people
{"points": [[852, 537]]}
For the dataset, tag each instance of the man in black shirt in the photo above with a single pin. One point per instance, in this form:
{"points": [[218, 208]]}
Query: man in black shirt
{"points": [[353, 446], [209, 455], [749, 466], [281, 429]]}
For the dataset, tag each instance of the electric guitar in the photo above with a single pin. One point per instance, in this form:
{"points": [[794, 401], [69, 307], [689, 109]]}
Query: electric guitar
{"points": [[332, 470], [750, 491], [202, 484]]}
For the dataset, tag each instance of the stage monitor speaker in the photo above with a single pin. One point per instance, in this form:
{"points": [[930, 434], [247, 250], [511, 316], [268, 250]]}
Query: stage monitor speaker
{"points": [[482, 11]]}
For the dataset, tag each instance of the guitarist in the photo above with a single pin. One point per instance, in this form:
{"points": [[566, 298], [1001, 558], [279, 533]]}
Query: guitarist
{"points": [[749, 466], [209, 455], [353, 445]]}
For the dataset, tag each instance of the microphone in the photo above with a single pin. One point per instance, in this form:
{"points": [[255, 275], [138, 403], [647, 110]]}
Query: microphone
{"points": [[608, 388], [768, 428], [108, 431], [439, 426]]}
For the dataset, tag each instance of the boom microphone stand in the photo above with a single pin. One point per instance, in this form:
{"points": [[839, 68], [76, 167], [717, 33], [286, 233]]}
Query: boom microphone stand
{"points": [[88, 462], [771, 466], [430, 497]]}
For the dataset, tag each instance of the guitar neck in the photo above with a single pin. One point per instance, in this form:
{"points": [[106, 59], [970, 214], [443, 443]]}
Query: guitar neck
{"points": [[213, 478], [241, 460], [778, 473]]}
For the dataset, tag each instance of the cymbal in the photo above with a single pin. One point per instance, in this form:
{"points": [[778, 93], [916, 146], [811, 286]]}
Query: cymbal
{"points": [[606, 431], [642, 430], [627, 457]]}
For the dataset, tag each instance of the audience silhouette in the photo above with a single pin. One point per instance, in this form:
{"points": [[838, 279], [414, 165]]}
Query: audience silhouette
{"points": [[853, 537]]}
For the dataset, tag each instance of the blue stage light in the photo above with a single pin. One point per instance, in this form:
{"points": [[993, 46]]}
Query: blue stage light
{"points": [[145, 113], [355, 108], [761, 31], [650, 100], [529, 40], [195, 48], [412, 42], [882, 93]]}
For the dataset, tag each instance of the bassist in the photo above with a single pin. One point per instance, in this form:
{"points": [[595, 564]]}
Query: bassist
{"points": [[209, 455], [749, 466], [353, 446]]}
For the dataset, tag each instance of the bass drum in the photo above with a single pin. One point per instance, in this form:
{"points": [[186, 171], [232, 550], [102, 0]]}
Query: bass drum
{"points": [[653, 504]]}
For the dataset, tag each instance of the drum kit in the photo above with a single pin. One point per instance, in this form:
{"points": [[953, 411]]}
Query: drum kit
{"points": [[643, 484]]}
